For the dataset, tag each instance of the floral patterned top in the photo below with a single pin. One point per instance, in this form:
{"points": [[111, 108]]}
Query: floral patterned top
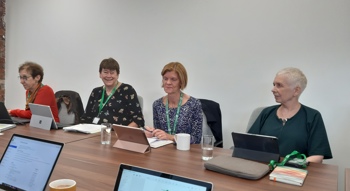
{"points": [[190, 118], [122, 108]]}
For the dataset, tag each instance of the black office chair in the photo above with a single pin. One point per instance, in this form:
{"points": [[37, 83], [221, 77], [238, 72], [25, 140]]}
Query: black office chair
{"points": [[212, 112], [70, 106]]}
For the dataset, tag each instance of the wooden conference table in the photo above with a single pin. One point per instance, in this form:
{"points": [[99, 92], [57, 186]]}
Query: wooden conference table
{"points": [[94, 166]]}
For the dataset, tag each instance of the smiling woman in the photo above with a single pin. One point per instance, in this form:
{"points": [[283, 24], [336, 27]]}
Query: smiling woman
{"points": [[114, 102], [31, 75]]}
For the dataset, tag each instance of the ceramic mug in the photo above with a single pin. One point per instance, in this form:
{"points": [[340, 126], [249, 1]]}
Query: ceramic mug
{"points": [[182, 141]]}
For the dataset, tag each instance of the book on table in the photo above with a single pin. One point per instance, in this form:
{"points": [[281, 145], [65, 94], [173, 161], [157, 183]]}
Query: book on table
{"points": [[289, 175]]}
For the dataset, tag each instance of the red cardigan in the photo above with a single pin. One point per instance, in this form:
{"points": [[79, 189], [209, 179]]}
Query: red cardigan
{"points": [[45, 96]]}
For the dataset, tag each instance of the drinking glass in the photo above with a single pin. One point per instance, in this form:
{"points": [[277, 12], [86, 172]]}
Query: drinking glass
{"points": [[207, 147], [106, 133]]}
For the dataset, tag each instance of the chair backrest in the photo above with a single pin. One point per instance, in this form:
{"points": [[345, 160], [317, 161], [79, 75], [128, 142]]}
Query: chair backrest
{"points": [[140, 101], [256, 112], [206, 129], [212, 112], [70, 106]]}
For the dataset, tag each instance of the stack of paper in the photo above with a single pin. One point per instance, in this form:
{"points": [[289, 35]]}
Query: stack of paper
{"points": [[84, 128], [289, 175], [155, 142], [4, 127]]}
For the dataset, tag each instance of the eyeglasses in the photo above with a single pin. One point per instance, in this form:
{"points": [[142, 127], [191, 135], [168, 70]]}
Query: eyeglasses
{"points": [[25, 78]]}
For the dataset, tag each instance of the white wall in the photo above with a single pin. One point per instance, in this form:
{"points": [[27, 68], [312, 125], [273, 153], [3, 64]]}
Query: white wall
{"points": [[231, 49]]}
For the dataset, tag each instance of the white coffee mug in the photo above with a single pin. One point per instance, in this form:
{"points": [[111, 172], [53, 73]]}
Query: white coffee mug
{"points": [[182, 141]]}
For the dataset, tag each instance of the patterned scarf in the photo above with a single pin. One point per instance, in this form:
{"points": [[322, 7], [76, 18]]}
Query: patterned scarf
{"points": [[31, 96]]}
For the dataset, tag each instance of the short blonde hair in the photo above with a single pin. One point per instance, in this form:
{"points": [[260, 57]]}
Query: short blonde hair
{"points": [[179, 69], [295, 77]]}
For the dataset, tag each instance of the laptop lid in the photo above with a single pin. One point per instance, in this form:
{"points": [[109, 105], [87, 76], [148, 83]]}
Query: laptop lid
{"points": [[255, 147], [137, 178], [42, 117], [5, 117], [28, 162], [131, 138]]}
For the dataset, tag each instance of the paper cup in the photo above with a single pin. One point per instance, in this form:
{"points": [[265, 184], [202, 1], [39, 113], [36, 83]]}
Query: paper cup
{"points": [[63, 185]]}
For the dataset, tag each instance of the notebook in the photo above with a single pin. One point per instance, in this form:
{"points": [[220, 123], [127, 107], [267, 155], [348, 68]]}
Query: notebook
{"points": [[42, 117], [154, 142], [288, 175], [84, 128], [6, 118], [4, 127], [131, 138], [255, 147], [27, 163], [138, 178]]}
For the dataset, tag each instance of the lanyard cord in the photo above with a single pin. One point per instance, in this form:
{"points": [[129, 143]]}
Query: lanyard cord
{"points": [[102, 102], [296, 154], [176, 116]]}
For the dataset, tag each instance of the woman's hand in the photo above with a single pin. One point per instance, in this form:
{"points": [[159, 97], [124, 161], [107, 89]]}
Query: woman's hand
{"points": [[149, 131], [160, 134]]}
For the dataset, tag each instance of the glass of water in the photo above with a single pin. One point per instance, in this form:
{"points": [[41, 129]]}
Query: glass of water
{"points": [[106, 133], [207, 147]]}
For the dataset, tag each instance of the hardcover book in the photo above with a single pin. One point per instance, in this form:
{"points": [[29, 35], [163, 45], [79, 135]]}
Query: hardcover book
{"points": [[289, 175]]}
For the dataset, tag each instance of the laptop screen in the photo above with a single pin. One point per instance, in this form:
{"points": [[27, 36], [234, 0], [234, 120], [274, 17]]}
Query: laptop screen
{"points": [[141, 179], [27, 163], [4, 115]]}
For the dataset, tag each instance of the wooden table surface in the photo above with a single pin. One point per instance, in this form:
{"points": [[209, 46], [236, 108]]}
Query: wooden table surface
{"points": [[53, 135], [347, 179], [95, 167]]}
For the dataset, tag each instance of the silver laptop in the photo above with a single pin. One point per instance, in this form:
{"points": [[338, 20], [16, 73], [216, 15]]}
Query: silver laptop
{"points": [[6, 118], [42, 117], [138, 178], [255, 147], [27, 163]]}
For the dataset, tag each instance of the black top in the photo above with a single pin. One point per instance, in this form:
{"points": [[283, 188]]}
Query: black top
{"points": [[122, 108]]}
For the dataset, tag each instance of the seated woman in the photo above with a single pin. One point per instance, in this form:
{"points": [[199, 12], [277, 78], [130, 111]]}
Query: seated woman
{"points": [[296, 126], [176, 112], [31, 75], [114, 102]]}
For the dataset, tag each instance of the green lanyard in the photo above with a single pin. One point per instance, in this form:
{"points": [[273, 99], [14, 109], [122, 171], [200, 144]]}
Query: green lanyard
{"points": [[102, 103], [294, 154], [176, 116]]}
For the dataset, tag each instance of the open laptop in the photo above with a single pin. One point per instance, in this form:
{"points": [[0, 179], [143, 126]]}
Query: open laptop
{"points": [[255, 147], [6, 118], [138, 178], [27, 163], [131, 138], [42, 117]]}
